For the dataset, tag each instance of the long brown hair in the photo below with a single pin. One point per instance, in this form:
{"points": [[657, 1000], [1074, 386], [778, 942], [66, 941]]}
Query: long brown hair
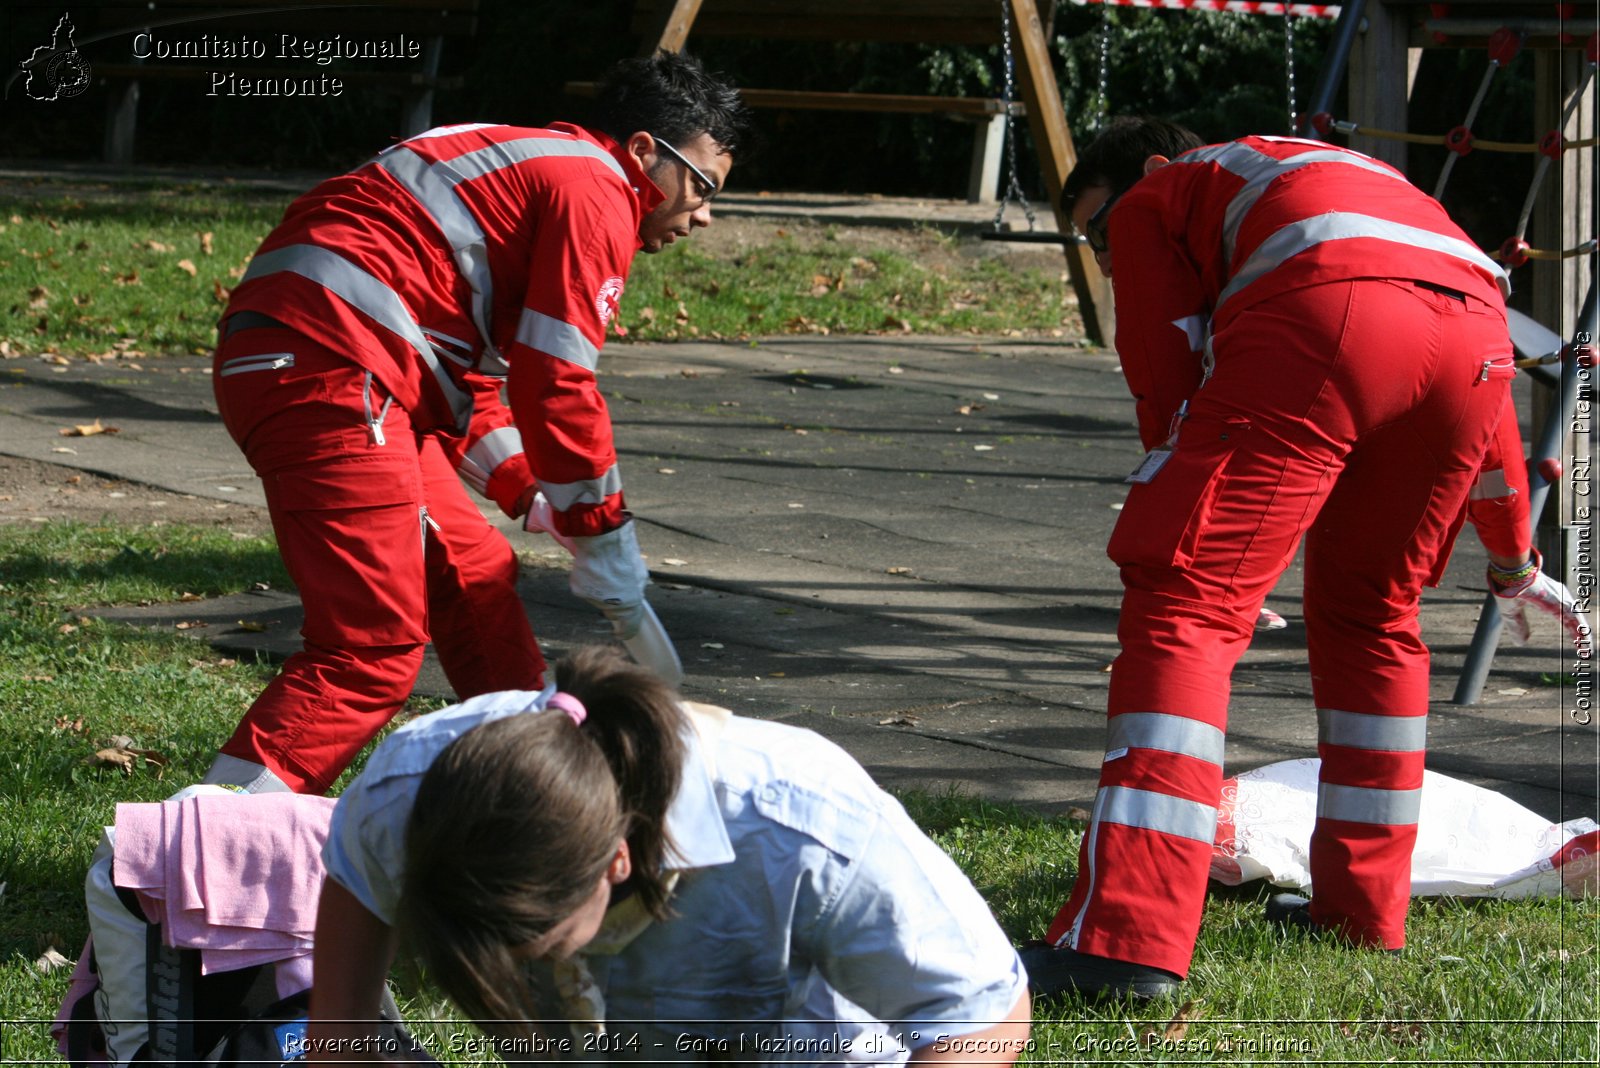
{"points": [[515, 822]]}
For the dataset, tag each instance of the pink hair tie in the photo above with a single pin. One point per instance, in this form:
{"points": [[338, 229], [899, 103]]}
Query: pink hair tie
{"points": [[570, 705]]}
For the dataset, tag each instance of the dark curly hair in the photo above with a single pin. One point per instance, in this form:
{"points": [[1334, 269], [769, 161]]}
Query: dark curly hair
{"points": [[672, 96]]}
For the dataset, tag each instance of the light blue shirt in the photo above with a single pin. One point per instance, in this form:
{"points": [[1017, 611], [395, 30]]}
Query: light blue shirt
{"points": [[808, 903]]}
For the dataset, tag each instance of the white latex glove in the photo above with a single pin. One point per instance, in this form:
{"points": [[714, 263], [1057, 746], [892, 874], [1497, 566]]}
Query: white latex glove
{"points": [[1550, 597], [541, 519], [609, 573]]}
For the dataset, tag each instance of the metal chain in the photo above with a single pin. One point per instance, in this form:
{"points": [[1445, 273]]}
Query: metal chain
{"points": [[1103, 101], [1288, 65], [1014, 183]]}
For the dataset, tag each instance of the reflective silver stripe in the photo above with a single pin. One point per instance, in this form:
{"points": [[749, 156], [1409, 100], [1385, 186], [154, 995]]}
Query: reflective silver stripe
{"points": [[1362, 804], [1362, 730], [440, 335], [488, 453], [433, 186], [1490, 486], [1168, 733], [1151, 811], [267, 361], [1260, 170], [489, 158], [370, 296], [1342, 226], [560, 339], [563, 495], [448, 131]]}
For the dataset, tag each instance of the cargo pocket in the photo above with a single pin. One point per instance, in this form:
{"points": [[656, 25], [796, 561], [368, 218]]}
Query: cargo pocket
{"points": [[1164, 520]]}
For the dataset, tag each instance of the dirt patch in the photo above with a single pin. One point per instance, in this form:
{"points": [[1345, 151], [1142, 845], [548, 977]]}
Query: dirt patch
{"points": [[31, 491], [938, 250]]}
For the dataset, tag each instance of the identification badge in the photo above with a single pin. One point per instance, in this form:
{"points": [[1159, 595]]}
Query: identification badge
{"points": [[1151, 465]]}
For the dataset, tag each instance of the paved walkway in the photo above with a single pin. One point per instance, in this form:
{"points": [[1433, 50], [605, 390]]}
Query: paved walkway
{"points": [[895, 541]]}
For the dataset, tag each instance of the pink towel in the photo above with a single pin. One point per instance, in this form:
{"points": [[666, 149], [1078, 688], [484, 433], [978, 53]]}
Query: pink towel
{"points": [[236, 877]]}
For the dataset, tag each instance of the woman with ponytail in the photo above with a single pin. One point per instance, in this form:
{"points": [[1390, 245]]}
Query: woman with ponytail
{"points": [[602, 871]]}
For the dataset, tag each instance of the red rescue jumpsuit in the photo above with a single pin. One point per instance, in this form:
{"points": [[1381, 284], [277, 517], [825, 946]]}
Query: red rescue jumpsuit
{"points": [[408, 292], [1360, 357], [1498, 503]]}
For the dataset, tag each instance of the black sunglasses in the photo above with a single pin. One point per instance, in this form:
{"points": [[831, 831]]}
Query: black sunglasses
{"points": [[707, 189], [1094, 228]]}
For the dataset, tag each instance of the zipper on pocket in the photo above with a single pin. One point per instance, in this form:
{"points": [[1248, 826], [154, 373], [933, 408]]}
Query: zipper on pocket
{"points": [[375, 425]]}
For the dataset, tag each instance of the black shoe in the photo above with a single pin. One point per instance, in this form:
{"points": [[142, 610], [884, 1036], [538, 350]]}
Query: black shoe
{"points": [[1055, 972], [1291, 913]]}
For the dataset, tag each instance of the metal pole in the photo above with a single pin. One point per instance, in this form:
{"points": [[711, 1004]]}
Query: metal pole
{"points": [[1345, 29]]}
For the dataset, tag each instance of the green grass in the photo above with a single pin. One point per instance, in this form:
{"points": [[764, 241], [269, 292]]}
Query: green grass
{"points": [[810, 280], [144, 270], [1482, 982], [99, 271]]}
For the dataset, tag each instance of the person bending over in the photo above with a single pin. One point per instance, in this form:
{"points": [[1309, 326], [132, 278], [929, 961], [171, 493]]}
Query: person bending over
{"points": [[1316, 353], [698, 885], [360, 368]]}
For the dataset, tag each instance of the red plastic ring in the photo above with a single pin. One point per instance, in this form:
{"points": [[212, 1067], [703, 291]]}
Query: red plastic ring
{"points": [[1459, 140], [1514, 251], [1322, 121], [1504, 44]]}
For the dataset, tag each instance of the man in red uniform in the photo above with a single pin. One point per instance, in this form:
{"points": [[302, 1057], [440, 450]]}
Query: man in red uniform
{"points": [[360, 367], [1316, 352]]}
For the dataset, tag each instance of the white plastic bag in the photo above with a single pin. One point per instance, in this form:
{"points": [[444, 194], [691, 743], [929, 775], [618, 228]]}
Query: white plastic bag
{"points": [[1471, 842]]}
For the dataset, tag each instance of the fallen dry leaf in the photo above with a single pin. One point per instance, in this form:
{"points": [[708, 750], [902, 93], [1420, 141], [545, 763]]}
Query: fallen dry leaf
{"points": [[86, 431], [1078, 815], [254, 628], [673, 561], [898, 721], [187, 267], [897, 571], [38, 298], [53, 960], [157, 246], [1178, 1026], [126, 758], [205, 242]]}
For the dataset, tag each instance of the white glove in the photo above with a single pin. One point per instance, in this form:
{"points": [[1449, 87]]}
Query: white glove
{"points": [[541, 519], [1550, 597], [609, 573]]}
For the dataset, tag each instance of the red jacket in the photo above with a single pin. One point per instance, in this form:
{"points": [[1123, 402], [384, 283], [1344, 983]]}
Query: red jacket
{"points": [[467, 258], [1226, 226]]}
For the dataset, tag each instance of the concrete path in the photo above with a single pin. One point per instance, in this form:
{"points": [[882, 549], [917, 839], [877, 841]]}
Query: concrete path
{"points": [[898, 542]]}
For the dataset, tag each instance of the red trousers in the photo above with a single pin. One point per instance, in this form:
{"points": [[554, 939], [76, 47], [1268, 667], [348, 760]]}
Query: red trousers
{"points": [[1352, 415], [384, 545]]}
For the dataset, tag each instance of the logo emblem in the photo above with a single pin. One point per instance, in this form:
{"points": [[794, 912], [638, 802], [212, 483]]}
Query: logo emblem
{"points": [[609, 299], [57, 71]]}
